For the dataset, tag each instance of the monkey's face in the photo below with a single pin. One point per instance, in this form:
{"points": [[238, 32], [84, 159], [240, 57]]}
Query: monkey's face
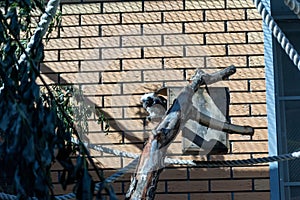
{"points": [[155, 105], [148, 100]]}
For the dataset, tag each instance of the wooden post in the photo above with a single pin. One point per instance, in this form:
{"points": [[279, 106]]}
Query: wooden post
{"points": [[144, 181]]}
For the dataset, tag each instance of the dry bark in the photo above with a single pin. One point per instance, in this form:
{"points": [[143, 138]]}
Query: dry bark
{"points": [[144, 181]]}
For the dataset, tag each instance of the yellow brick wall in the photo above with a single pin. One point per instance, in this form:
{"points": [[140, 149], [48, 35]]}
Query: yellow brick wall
{"points": [[117, 51]]}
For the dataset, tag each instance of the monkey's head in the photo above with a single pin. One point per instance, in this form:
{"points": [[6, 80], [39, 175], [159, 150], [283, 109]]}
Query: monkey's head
{"points": [[155, 105]]}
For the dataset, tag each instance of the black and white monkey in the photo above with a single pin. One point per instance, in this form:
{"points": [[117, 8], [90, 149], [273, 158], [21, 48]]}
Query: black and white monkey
{"points": [[155, 105]]}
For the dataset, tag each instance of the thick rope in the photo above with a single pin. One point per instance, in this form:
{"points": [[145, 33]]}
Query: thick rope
{"points": [[115, 152], [294, 5], [251, 161], [277, 33], [41, 28]]}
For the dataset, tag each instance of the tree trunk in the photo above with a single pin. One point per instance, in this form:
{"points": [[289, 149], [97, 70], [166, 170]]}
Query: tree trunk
{"points": [[151, 163]]}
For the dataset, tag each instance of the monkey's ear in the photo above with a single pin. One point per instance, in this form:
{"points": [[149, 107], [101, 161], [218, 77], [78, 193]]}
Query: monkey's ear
{"points": [[162, 91]]}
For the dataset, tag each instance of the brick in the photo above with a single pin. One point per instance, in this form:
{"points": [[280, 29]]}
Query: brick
{"points": [[57, 67], [129, 29], [221, 15], [127, 126], [262, 184], [103, 89], [239, 110], [135, 112], [173, 173], [187, 186], [175, 83], [250, 172], [253, 14], [171, 196], [210, 196], [245, 49], [225, 38], [100, 42], [70, 20], [163, 75], [164, 51], [110, 162], [174, 148], [163, 5], [131, 41], [149, 17], [94, 101], [225, 61], [256, 61], [129, 76], [234, 86], [256, 122], [207, 50], [100, 65], [204, 27], [249, 73], [260, 134], [48, 78], [254, 97], [257, 85], [209, 173], [100, 19], [62, 43], [134, 137], [250, 25], [79, 54], [102, 138], [249, 147], [255, 37], [138, 88], [164, 28], [50, 56], [118, 7], [183, 16], [117, 53], [80, 77], [192, 62], [80, 8], [139, 64], [208, 4], [240, 4], [258, 109], [183, 39], [230, 156], [93, 125], [252, 195], [79, 31], [125, 100], [231, 185]]}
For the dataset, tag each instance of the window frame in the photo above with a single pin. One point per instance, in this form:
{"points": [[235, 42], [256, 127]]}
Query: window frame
{"points": [[274, 98]]}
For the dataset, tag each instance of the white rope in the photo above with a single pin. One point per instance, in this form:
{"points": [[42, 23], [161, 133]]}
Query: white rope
{"points": [[277, 32], [115, 152], [294, 5], [41, 28]]}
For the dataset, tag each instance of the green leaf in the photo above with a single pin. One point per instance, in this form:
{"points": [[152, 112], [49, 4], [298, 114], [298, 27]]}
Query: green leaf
{"points": [[29, 151], [86, 187]]}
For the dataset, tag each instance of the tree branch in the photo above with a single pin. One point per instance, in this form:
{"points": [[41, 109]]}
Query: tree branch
{"points": [[144, 181]]}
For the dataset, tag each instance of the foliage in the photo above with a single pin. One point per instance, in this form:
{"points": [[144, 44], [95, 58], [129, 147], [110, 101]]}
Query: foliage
{"points": [[35, 128]]}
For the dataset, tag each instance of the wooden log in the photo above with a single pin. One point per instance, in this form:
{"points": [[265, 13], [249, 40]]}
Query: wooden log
{"points": [[144, 181]]}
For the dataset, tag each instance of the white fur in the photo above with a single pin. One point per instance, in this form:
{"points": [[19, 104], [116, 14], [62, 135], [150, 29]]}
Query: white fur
{"points": [[145, 96]]}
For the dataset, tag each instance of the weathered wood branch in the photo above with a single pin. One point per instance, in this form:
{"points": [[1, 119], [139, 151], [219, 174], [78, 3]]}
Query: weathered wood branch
{"points": [[151, 163], [207, 121]]}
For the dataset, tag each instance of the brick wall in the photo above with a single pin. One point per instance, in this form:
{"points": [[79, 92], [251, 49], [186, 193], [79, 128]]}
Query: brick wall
{"points": [[117, 51]]}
